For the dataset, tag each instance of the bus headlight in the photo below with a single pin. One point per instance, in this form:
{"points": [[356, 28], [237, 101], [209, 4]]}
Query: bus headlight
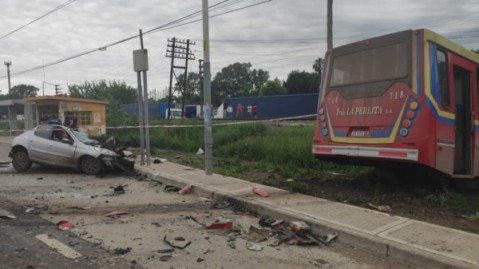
{"points": [[324, 132], [403, 132]]}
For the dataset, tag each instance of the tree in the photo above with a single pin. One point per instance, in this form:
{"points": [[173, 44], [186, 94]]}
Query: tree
{"points": [[272, 87], [259, 78], [302, 82], [21, 91], [101, 90], [233, 80], [192, 93], [318, 65]]}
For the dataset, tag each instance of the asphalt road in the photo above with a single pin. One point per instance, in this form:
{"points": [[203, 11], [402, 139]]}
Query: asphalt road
{"points": [[136, 239]]}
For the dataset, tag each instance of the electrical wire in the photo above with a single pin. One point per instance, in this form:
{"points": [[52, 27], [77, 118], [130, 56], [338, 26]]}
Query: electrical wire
{"points": [[156, 29], [39, 18]]}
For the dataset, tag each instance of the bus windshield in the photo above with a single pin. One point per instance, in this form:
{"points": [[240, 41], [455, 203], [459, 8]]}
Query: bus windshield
{"points": [[371, 65]]}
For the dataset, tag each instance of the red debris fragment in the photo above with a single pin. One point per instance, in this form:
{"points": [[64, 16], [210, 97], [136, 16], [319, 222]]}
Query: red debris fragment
{"points": [[221, 224], [260, 192], [116, 213], [64, 225], [185, 189]]}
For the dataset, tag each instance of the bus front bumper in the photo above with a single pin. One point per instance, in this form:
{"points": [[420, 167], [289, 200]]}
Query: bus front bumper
{"points": [[367, 152]]}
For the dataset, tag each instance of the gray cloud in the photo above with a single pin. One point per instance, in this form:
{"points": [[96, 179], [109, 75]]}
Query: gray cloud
{"points": [[296, 30]]}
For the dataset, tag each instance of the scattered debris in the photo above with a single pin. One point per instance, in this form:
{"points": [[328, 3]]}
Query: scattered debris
{"points": [[299, 226], [180, 238], [175, 246], [289, 180], [254, 247], [157, 224], [205, 200], [116, 213], [165, 258], [159, 160], [260, 192], [266, 221], [64, 225], [199, 260], [6, 215], [30, 210], [472, 217], [79, 207], [256, 234], [383, 208], [232, 244], [221, 223], [167, 250], [39, 178], [326, 239], [200, 151], [119, 190], [185, 189], [121, 251], [170, 188]]}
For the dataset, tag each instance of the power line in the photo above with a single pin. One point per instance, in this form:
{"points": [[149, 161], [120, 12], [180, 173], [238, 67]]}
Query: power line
{"points": [[156, 29], [39, 18]]}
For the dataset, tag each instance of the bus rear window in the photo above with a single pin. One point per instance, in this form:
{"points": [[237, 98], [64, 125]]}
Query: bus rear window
{"points": [[372, 65]]}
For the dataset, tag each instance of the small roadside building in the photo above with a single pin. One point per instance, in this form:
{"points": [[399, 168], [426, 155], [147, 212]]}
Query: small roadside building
{"points": [[90, 114]]}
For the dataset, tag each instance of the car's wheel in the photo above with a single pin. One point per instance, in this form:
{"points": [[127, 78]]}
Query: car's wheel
{"points": [[20, 161], [91, 166]]}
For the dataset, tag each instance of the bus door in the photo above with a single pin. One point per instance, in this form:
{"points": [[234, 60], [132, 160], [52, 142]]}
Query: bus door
{"points": [[464, 116]]}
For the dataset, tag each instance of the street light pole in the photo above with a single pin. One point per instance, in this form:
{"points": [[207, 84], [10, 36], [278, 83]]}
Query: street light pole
{"points": [[8, 63]]}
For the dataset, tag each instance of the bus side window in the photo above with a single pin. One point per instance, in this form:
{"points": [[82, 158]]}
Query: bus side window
{"points": [[442, 68]]}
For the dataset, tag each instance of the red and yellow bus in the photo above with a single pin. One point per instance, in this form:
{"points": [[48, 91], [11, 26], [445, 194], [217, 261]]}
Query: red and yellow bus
{"points": [[410, 97]]}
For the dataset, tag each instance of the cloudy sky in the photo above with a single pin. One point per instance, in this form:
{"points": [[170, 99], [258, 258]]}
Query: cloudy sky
{"points": [[276, 35]]}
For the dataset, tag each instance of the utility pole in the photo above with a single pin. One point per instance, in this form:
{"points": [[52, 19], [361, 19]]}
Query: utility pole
{"points": [[57, 90], [207, 92], [200, 61], [330, 25], [176, 49], [8, 63]]}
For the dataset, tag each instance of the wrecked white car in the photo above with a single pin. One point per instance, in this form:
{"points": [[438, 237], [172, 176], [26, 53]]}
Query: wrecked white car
{"points": [[57, 145]]}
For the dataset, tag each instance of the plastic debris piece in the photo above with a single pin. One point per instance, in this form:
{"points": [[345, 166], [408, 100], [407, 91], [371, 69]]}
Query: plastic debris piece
{"points": [[116, 213], [64, 225], [185, 189], [39, 178], [266, 221], [299, 226], [383, 208], [256, 234], [30, 210], [165, 258], [260, 192], [175, 246], [119, 190], [221, 224], [121, 251], [6, 215], [205, 200], [232, 244], [254, 247], [200, 260], [326, 239], [168, 250], [200, 151], [159, 160], [170, 188]]}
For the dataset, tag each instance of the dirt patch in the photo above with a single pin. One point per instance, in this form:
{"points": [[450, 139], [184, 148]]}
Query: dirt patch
{"points": [[421, 198]]}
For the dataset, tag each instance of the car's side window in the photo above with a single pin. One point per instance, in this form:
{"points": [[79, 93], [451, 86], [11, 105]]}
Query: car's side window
{"points": [[59, 134], [43, 132]]}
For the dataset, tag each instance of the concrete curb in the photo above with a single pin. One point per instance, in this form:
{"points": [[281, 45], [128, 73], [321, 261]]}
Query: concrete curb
{"points": [[398, 252]]}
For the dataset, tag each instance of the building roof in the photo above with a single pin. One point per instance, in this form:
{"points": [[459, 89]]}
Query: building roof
{"points": [[11, 102], [62, 98]]}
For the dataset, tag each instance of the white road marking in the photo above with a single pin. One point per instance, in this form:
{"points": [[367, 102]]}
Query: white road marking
{"points": [[59, 246]]}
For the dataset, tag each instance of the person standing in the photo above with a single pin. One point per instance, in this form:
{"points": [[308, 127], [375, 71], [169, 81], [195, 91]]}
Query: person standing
{"points": [[254, 111], [239, 110]]}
